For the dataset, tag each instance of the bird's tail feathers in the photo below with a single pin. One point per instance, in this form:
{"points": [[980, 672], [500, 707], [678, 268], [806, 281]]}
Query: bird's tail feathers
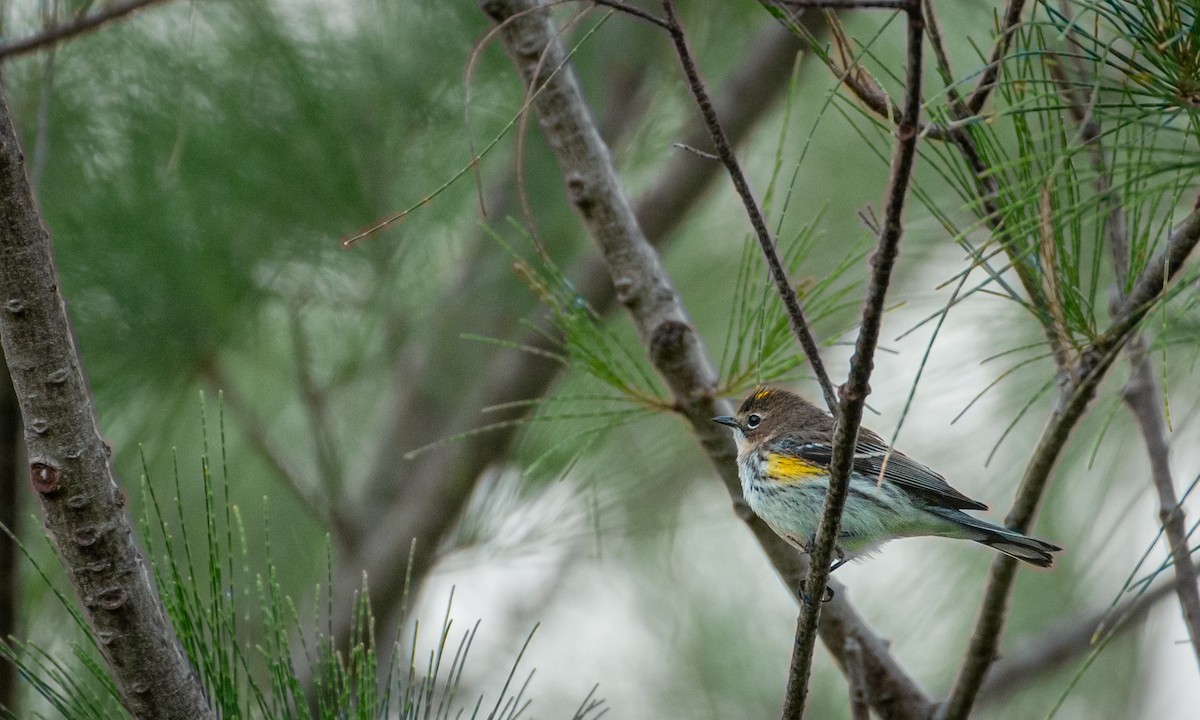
{"points": [[1009, 542]]}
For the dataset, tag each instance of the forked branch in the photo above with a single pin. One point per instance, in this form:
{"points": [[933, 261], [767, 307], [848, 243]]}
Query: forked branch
{"points": [[663, 324]]}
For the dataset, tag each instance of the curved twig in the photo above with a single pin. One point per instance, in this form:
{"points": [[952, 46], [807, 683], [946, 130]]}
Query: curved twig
{"points": [[55, 34]]}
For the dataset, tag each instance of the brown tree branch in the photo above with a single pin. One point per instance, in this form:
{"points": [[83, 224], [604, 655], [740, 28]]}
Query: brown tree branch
{"points": [[421, 499], [787, 293], [10, 514], [856, 680], [1082, 379], [69, 468], [987, 81], [677, 352], [1140, 393], [1063, 642], [1142, 397], [53, 35], [854, 392]]}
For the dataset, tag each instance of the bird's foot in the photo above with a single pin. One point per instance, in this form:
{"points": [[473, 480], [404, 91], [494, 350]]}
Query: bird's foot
{"points": [[807, 599]]}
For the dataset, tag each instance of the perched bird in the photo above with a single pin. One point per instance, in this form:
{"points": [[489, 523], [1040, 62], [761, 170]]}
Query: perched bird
{"points": [[785, 445]]}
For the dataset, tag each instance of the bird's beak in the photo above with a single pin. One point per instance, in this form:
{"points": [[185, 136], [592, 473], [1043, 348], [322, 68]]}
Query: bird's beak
{"points": [[727, 420]]}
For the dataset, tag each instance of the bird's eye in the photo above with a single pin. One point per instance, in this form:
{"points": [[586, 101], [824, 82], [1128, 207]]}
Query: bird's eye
{"points": [[753, 421]]}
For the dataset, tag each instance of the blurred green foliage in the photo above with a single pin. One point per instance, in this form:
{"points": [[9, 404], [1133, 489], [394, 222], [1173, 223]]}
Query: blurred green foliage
{"points": [[199, 164]]}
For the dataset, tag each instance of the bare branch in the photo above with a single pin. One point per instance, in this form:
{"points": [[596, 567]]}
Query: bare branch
{"points": [[987, 81], [664, 326], [787, 292], [443, 481], [1063, 642], [57, 33], [856, 678], [854, 392], [1140, 393], [636, 12], [69, 468], [1082, 379]]}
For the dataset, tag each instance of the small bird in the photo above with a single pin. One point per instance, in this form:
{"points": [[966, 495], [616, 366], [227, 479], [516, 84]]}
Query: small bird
{"points": [[785, 446]]}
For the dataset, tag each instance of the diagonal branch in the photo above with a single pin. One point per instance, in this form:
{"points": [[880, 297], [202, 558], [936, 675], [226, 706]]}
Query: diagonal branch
{"points": [[649, 295], [1140, 393], [84, 507], [1082, 378], [987, 81], [787, 292], [53, 35], [437, 485], [854, 392], [1065, 641]]}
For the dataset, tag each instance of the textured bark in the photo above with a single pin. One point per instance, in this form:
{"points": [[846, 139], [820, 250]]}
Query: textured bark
{"points": [[83, 506], [10, 578], [648, 294], [421, 499]]}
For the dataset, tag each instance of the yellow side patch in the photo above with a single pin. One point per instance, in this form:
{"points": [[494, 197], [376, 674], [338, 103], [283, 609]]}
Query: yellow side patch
{"points": [[791, 469]]}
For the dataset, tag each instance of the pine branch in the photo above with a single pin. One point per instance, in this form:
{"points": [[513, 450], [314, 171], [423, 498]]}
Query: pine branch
{"points": [[1079, 387], [991, 72], [662, 322], [1140, 393], [437, 486], [83, 504]]}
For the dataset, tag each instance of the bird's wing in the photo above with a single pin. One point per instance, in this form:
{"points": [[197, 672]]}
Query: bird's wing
{"points": [[900, 469]]}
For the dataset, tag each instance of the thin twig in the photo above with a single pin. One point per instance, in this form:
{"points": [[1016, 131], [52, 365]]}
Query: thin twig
{"points": [[55, 34], [663, 325], [1140, 393], [787, 292], [1082, 379], [854, 392], [1063, 642], [987, 81], [636, 12]]}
